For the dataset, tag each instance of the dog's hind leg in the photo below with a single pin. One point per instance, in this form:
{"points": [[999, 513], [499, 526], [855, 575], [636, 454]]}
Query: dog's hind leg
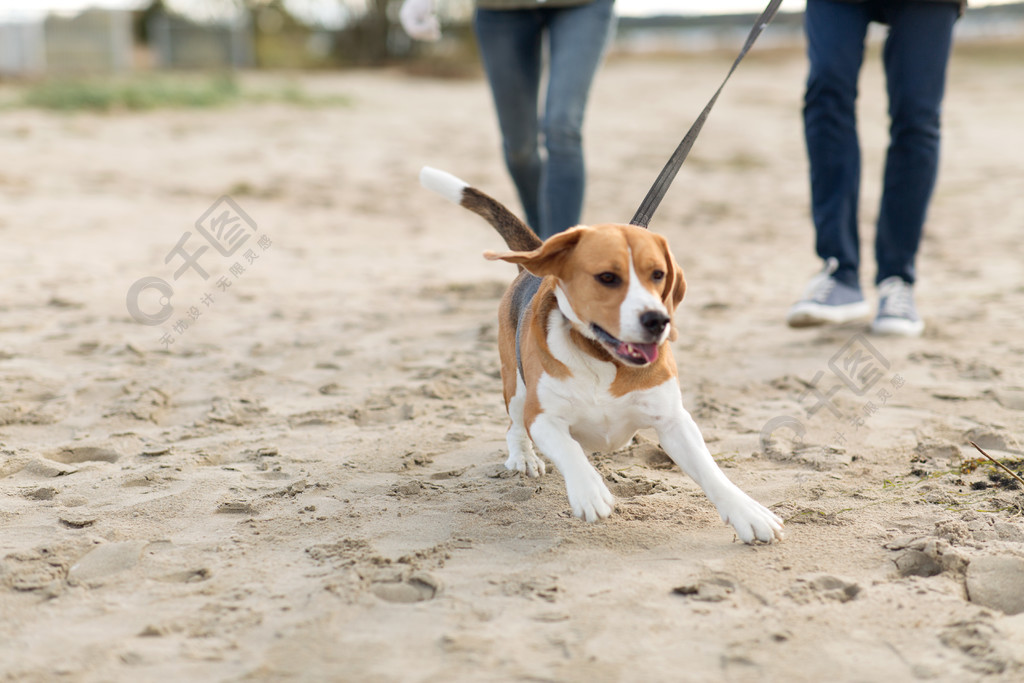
{"points": [[521, 456]]}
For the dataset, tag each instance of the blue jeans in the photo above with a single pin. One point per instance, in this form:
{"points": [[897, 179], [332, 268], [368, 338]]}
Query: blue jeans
{"points": [[915, 56], [551, 184]]}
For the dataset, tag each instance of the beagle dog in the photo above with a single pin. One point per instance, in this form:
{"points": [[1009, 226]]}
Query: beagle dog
{"points": [[584, 334]]}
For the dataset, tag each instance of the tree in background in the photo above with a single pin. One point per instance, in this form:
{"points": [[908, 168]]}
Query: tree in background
{"points": [[369, 38]]}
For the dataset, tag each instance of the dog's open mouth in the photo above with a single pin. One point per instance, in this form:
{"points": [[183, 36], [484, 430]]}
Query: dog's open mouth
{"points": [[635, 354]]}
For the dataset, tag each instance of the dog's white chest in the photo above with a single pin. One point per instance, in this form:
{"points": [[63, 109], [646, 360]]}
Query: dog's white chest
{"points": [[604, 428], [597, 420]]}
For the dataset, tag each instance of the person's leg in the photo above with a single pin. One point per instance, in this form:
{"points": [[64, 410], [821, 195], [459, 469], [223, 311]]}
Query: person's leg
{"points": [[835, 50], [916, 54], [578, 37], [511, 50]]}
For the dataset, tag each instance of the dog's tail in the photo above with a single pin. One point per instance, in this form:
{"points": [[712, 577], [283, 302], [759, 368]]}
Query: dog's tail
{"points": [[516, 233]]}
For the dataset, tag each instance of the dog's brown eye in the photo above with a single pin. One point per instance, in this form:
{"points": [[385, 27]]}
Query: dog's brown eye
{"points": [[608, 279], [658, 275]]}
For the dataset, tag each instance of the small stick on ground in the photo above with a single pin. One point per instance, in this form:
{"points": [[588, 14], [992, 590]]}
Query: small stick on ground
{"points": [[1007, 469]]}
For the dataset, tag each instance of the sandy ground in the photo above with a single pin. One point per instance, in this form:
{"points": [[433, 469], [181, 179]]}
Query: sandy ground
{"points": [[306, 482]]}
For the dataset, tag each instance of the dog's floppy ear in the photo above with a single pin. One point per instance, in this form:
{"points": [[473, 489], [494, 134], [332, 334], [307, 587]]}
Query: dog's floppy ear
{"points": [[548, 259], [675, 284], [674, 296]]}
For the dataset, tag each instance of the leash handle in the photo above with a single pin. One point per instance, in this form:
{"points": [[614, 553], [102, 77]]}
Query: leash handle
{"points": [[657, 192]]}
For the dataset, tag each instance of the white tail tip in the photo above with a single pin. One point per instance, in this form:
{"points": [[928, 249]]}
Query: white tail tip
{"points": [[445, 184]]}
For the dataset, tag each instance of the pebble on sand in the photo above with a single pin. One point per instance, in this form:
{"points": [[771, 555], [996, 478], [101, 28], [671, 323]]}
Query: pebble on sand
{"points": [[997, 582]]}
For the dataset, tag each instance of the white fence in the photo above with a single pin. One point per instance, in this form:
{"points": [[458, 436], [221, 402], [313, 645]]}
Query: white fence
{"points": [[95, 41], [181, 44], [102, 42], [22, 48]]}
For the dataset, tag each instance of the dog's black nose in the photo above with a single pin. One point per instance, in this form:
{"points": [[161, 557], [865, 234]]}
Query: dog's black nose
{"points": [[654, 322]]}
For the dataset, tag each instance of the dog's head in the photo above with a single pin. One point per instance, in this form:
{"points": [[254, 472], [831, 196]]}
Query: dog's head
{"points": [[618, 284]]}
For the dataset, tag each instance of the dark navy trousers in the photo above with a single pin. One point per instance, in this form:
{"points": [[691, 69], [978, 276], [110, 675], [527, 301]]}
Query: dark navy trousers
{"points": [[915, 56]]}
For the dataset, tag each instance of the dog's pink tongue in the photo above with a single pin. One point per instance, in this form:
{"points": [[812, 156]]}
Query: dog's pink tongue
{"points": [[649, 352]]}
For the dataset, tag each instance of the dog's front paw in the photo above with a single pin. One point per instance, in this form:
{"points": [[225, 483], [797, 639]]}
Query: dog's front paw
{"points": [[751, 520], [525, 461], [590, 499]]}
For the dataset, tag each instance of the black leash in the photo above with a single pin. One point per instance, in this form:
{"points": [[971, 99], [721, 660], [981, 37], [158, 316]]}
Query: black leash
{"points": [[668, 174]]}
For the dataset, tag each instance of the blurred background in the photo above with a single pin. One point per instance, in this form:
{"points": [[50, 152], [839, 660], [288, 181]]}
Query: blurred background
{"points": [[43, 40]]}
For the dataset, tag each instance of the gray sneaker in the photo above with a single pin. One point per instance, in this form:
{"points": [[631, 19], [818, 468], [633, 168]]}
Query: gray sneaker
{"points": [[827, 300], [897, 315]]}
